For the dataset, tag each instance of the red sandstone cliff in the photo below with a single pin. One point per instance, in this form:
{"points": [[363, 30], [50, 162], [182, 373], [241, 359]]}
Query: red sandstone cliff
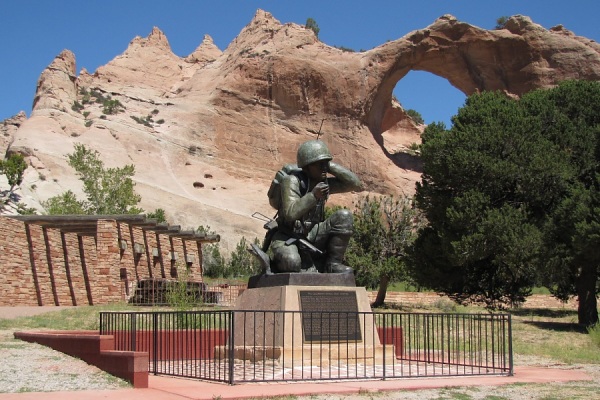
{"points": [[219, 123]]}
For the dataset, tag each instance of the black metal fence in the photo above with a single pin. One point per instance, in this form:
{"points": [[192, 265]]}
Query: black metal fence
{"points": [[249, 346], [155, 292]]}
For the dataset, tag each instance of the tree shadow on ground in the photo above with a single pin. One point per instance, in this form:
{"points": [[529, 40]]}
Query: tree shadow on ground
{"points": [[557, 326], [6, 194], [543, 312]]}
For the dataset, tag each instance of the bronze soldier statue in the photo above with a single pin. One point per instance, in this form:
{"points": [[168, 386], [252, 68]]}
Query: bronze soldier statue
{"points": [[303, 240]]}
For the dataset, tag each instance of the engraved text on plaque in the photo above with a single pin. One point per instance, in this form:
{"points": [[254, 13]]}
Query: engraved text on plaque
{"points": [[329, 316]]}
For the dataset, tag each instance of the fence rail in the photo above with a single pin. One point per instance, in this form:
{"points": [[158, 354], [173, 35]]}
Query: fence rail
{"points": [[237, 346], [155, 292]]}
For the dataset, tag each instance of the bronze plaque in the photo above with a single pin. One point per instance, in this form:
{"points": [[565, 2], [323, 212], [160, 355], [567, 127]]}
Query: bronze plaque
{"points": [[329, 316]]}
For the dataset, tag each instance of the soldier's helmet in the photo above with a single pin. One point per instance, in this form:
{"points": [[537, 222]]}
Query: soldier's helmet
{"points": [[312, 151]]}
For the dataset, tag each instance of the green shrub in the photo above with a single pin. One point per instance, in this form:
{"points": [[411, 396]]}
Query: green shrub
{"points": [[158, 214], [594, 332], [447, 306], [346, 49], [97, 95], [415, 116], [22, 209], [179, 296], [312, 24], [501, 22], [213, 263], [107, 190], [142, 120], [241, 262], [384, 229], [415, 148], [77, 106], [111, 106], [13, 168], [65, 203]]}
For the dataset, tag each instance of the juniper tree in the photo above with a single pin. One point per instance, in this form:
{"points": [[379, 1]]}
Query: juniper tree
{"points": [[511, 196]]}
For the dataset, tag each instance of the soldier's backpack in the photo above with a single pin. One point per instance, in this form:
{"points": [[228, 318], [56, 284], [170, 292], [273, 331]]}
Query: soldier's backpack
{"points": [[274, 192], [271, 225]]}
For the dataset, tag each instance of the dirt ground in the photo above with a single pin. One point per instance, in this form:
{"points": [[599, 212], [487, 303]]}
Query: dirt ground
{"points": [[28, 311]]}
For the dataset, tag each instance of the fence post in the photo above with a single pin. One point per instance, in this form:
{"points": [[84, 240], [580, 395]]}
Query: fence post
{"points": [[511, 371], [231, 346], [155, 343], [384, 341], [133, 317]]}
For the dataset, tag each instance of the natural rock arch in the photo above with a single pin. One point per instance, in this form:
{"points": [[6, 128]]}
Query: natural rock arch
{"points": [[515, 60]]}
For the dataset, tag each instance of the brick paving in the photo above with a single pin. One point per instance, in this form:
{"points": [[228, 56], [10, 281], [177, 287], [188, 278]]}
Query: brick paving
{"points": [[274, 372]]}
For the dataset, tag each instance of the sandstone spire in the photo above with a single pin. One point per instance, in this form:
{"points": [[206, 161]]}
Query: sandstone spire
{"points": [[206, 52], [149, 62], [56, 87], [156, 38]]}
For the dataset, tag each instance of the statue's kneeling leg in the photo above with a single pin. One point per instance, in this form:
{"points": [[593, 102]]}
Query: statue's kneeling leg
{"points": [[341, 230], [287, 259]]}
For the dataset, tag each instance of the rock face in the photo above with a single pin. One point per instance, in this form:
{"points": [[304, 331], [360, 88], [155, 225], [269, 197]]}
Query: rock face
{"points": [[8, 127], [206, 132]]}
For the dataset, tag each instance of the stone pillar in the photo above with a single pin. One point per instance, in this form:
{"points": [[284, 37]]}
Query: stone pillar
{"points": [[106, 284], [17, 283]]}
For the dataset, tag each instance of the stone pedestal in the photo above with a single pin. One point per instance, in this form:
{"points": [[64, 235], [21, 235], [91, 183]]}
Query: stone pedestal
{"points": [[311, 324]]}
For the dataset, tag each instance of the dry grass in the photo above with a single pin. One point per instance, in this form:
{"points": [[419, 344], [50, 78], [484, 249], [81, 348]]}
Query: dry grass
{"points": [[553, 334]]}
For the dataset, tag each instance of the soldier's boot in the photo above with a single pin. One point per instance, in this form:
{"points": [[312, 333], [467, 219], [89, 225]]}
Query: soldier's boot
{"points": [[336, 248]]}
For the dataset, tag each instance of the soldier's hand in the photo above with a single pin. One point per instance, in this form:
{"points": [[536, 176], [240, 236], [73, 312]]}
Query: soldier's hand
{"points": [[321, 191]]}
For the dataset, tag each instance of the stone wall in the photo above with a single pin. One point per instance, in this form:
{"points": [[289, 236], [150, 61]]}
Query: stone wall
{"points": [[429, 299], [44, 266], [412, 299]]}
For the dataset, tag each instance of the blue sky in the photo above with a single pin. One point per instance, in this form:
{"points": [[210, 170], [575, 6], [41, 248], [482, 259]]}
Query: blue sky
{"points": [[33, 32]]}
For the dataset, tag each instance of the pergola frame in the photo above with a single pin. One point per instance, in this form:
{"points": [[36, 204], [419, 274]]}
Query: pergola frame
{"points": [[87, 225]]}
